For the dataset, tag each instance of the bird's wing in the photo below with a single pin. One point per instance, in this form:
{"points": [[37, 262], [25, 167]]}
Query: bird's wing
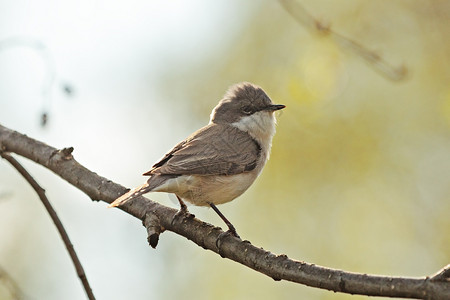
{"points": [[213, 150]]}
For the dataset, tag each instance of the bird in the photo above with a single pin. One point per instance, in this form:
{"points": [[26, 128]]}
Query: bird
{"points": [[221, 160]]}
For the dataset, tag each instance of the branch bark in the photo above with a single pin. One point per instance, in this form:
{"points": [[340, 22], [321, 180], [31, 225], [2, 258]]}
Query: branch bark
{"points": [[158, 218]]}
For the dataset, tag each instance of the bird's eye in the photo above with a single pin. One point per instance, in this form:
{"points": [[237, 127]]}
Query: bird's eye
{"points": [[247, 110]]}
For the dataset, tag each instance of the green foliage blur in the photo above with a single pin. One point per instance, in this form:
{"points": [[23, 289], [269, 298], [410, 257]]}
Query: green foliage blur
{"points": [[359, 176]]}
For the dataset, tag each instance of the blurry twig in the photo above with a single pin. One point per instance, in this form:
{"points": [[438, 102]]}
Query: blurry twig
{"points": [[4, 195], [10, 284], [41, 193], [374, 60], [50, 69]]}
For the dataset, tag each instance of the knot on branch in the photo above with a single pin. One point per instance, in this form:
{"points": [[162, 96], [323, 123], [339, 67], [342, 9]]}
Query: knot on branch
{"points": [[65, 153], [154, 229]]}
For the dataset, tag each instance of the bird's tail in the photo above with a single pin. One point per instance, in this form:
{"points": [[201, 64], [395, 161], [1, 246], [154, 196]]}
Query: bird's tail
{"points": [[140, 190]]}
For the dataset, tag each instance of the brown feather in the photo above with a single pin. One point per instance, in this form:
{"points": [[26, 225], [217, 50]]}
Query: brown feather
{"points": [[198, 154]]}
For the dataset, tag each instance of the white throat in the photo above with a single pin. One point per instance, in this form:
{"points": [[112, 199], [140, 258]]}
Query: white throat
{"points": [[261, 126]]}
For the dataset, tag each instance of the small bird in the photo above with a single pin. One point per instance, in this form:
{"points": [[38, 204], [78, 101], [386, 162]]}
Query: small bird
{"points": [[220, 161]]}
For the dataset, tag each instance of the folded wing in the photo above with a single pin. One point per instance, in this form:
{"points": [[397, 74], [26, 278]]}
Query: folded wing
{"points": [[213, 150]]}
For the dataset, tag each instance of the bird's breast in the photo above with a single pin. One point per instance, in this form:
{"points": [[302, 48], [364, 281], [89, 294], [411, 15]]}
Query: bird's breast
{"points": [[217, 189]]}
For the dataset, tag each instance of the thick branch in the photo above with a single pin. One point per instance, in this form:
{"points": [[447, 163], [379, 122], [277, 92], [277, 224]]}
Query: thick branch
{"points": [[279, 267]]}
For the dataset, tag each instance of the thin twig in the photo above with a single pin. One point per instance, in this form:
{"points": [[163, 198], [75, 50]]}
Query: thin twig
{"points": [[50, 68], [299, 13], [41, 193]]}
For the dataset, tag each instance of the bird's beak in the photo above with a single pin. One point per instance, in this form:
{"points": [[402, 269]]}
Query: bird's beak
{"points": [[275, 107]]}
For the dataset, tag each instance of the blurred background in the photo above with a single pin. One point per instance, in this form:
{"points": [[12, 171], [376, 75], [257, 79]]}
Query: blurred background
{"points": [[358, 179]]}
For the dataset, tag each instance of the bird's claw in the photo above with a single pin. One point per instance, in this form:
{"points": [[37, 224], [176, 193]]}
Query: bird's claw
{"points": [[183, 213]]}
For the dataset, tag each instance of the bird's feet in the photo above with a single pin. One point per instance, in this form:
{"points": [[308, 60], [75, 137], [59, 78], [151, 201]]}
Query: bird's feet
{"points": [[231, 230], [183, 212]]}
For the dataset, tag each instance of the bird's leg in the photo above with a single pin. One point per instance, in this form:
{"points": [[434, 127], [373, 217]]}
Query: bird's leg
{"points": [[183, 207], [231, 228], [183, 212]]}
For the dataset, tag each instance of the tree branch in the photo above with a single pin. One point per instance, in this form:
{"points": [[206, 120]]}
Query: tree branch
{"points": [[54, 216], [299, 13], [158, 218]]}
